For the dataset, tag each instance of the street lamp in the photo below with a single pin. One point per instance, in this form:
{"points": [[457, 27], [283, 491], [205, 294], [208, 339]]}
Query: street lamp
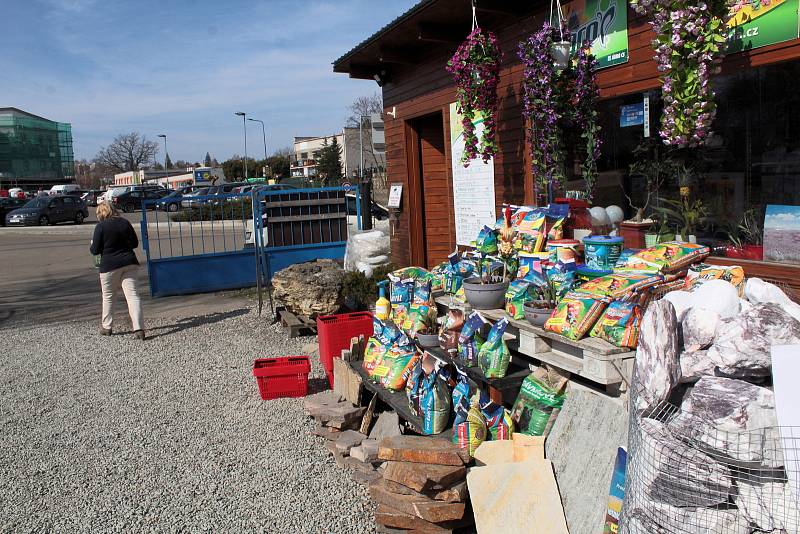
{"points": [[165, 152], [264, 133], [243, 115]]}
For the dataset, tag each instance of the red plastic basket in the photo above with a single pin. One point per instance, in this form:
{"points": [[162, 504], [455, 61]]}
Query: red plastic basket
{"points": [[335, 332], [282, 377]]}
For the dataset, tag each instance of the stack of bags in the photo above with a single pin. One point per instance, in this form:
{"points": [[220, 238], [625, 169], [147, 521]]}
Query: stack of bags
{"points": [[423, 487]]}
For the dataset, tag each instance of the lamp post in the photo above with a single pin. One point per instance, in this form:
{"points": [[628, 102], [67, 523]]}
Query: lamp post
{"points": [[364, 185], [264, 133], [165, 152], [243, 115]]}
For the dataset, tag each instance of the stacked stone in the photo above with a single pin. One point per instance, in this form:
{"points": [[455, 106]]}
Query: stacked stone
{"points": [[705, 452], [423, 488]]}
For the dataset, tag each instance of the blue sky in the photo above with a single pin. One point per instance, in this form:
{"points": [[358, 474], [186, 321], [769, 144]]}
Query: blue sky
{"points": [[182, 67]]}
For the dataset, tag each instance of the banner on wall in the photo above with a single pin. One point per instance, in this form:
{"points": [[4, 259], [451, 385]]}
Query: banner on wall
{"points": [[603, 23], [757, 23], [473, 186]]}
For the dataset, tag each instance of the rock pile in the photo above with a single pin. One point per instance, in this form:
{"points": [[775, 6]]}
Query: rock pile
{"points": [[310, 289], [705, 452]]}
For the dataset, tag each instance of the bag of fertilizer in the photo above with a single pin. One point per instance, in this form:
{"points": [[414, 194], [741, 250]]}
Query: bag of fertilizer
{"points": [[619, 324], [429, 398], [494, 355], [536, 407], [451, 329], [396, 366], [470, 431], [469, 341], [498, 420]]}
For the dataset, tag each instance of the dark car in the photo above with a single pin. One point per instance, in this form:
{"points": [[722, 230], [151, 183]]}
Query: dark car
{"points": [[132, 200], [46, 210], [7, 205], [90, 197], [172, 202]]}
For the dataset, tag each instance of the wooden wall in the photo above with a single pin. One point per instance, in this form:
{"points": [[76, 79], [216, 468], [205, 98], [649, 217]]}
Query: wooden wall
{"points": [[425, 88]]}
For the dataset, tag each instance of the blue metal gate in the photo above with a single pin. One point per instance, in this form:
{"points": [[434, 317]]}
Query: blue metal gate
{"points": [[197, 244]]}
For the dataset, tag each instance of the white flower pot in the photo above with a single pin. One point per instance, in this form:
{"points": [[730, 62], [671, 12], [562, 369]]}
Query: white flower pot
{"points": [[692, 238], [559, 51]]}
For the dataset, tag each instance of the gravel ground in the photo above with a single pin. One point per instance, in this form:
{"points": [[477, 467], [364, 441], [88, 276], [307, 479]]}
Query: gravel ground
{"points": [[114, 434]]}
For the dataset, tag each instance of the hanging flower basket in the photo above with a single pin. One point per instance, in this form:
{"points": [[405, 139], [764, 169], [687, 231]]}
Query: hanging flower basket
{"points": [[476, 70], [559, 51]]}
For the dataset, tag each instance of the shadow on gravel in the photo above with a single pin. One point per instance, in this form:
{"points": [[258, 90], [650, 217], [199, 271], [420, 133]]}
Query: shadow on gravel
{"points": [[193, 322], [317, 385]]}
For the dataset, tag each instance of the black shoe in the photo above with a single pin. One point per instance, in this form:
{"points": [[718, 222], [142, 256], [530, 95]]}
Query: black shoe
{"points": [[105, 331], [139, 334]]}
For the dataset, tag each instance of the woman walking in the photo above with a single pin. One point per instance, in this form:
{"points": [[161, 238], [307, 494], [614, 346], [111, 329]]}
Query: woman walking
{"points": [[114, 240]]}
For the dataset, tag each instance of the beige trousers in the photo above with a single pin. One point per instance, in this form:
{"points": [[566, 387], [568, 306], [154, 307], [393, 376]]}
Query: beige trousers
{"points": [[126, 278]]}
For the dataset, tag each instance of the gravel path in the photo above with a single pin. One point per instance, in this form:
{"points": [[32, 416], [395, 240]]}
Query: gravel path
{"points": [[112, 434]]}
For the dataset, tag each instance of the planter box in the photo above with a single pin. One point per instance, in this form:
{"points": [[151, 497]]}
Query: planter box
{"points": [[634, 233]]}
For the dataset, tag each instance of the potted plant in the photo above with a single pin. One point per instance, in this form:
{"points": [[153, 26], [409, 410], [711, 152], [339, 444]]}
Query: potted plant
{"points": [[746, 237], [687, 216], [487, 291], [538, 310], [659, 232]]}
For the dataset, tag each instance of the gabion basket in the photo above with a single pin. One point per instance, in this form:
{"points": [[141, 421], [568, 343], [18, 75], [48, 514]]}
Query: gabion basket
{"points": [[686, 476]]}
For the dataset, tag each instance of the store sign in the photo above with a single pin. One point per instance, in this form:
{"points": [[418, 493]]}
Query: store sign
{"points": [[473, 186], [604, 24], [631, 115], [759, 23], [202, 177]]}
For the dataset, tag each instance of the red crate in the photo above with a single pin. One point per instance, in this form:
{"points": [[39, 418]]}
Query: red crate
{"points": [[282, 377], [335, 332]]}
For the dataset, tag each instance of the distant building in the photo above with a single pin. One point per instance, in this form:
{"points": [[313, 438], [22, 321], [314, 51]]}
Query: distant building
{"points": [[34, 152], [172, 178], [306, 151]]}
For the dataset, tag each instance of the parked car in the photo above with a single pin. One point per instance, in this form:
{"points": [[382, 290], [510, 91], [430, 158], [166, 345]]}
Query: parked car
{"points": [[132, 200], [191, 199], [171, 202], [51, 209], [9, 204], [63, 189], [91, 197]]}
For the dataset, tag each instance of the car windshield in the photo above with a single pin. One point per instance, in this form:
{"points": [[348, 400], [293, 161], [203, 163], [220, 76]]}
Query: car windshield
{"points": [[37, 203]]}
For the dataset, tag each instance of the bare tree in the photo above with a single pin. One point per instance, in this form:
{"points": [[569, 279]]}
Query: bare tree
{"points": [[128, 152], [360, 111], [363, 106]]}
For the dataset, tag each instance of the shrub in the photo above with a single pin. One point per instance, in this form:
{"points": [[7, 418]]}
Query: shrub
{"points": [[361, 291]]}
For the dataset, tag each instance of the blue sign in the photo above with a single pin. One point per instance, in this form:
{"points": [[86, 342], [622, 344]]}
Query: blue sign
{"points": [[202, 177], [631, 115]]}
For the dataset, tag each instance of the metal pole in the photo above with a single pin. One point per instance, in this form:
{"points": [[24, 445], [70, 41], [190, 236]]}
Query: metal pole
{"points": [[165, 153], [264, 133], [243, 115], [361, 148]]}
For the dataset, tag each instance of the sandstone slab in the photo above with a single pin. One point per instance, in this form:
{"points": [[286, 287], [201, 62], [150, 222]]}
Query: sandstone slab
{"points": [[391, 517], [495, 452], [326, 432], [455, 493], [423, 477], [422, 450], [419, 506]]}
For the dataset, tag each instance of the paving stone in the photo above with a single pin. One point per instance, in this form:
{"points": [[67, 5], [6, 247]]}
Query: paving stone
{"points": [[386, 426], [326, 432], [424, 477], [358, 465], [331, 447], [367, 451], [347, 440], [365, 478], [455, 493], [391, 517], [495, 452], [420, 506], [422, 450], [316, 403]]}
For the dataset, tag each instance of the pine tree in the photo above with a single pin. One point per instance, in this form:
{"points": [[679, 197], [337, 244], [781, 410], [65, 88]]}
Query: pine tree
{"points": [[329, 164], [207, 161], [168, 162]]}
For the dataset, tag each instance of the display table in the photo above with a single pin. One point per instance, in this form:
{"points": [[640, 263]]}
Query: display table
{"points": [[598, 361]]}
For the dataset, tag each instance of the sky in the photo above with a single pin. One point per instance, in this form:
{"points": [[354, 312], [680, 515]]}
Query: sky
{"points": [[183, 67]]}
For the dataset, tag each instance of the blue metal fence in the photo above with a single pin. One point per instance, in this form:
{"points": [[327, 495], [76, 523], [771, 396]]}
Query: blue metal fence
{"points": [[229, 241]]}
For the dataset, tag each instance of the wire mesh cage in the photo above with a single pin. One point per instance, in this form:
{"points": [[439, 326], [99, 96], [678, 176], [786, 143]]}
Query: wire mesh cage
{"points": [[686, 475]]}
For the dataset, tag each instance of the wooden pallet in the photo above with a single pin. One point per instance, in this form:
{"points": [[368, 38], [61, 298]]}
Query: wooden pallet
{"points": [[296, 324], [598, 361]]}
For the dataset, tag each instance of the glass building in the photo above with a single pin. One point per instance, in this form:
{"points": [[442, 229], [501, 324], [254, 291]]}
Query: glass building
{"points": [[34, 151]]}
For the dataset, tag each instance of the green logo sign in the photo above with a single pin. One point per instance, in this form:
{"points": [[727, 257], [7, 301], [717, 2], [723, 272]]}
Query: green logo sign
{"points": [[756, 23], [604, 24]]}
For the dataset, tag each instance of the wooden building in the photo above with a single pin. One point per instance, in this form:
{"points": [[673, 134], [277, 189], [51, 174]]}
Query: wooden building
{"points": [[408, 59]]}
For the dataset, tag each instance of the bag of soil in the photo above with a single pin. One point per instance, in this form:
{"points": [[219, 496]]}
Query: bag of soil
{"points": [[428, 395], [619, 324], [499, 424], [494, 355], [469, 341], [576, 314], [538, 404], [451, 329]]}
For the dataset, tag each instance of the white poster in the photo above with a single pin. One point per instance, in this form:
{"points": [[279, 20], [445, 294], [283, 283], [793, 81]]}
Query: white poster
{"points": [[473, 186]]}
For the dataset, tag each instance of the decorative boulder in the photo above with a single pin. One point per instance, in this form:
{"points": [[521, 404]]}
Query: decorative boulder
{"points": [[770, 506], [694, 363], [681, 301], [741, 348], [758, 291], [310, 289], [717, 296], [655, 517], [699, 327], [730, 419], [676, 474], [657, 368]]}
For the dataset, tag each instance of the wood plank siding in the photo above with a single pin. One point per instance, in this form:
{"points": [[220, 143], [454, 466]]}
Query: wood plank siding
{"points": [[417, 137]]}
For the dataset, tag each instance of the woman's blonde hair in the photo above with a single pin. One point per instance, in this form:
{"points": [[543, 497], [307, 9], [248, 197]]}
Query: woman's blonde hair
{"points": [[106, 210]]}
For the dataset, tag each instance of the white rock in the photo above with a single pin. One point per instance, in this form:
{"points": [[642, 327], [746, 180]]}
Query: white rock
{"points": [[650, 517], [771, 506], [694, 365], [699, 327], [717, 295], [657, 367], [681, 301], [730, 418], [758, 291]]}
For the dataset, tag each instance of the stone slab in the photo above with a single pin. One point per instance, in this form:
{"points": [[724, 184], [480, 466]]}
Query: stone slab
{"points": [[527, 448], [456, 493], [422, 450], [315, 403], [494, 452], [367, 451], [386, 426], [583, 447], [419, 506], [516, 497], [358, 465], [347, 440], [423, 477], [326, 432], [390, 517], [365, 479]]}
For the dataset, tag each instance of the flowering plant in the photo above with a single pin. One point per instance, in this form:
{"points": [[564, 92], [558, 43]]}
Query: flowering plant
{"points": [[476, 69], [558, 104], [690, 38]]}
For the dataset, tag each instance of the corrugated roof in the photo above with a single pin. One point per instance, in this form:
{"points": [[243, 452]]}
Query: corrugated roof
{"points": [[375, 36]]}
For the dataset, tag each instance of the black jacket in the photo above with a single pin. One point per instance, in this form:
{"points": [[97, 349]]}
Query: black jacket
{"points": [[114, 239]]}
